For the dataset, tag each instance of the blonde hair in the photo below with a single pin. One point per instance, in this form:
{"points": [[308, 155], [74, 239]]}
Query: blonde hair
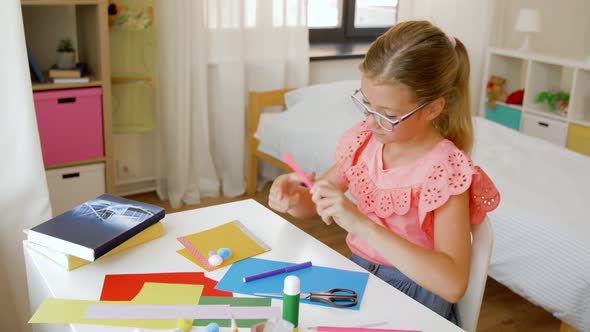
{"points": [[422, 57]]}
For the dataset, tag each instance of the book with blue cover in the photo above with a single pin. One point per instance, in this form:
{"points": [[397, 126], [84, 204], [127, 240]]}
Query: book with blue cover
{"points": [[95, 227], [34, 67]]}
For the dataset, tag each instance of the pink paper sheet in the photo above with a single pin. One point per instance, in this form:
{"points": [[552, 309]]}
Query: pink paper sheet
{"points": [[356, 329]]}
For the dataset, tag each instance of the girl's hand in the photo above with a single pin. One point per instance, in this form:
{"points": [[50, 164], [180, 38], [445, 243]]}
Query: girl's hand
{"points": [[285, 192], [333, 205]]}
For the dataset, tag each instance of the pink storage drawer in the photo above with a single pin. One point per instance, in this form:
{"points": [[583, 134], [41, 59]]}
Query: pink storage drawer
{"points": [[70, 124]]}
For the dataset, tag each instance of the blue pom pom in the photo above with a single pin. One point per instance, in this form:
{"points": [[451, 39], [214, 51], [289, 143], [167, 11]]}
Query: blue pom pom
{"points": [[212, 327], [224, 253]]}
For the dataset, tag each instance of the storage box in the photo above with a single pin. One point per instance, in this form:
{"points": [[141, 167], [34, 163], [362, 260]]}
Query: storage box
{"points": [[72, 186], [505, 115], [70, 125], [578, 139], [550, 130]]}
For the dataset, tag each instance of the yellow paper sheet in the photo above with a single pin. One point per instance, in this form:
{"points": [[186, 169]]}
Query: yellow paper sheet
{"points": [[62, 311], [229, 235], [160, 293]]}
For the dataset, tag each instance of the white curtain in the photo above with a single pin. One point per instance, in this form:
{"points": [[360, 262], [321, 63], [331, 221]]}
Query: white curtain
{"points": [[210, 54], [24, 199]]}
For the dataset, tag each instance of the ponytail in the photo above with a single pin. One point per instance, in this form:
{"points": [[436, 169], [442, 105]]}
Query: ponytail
{"points": [[455, 122]]}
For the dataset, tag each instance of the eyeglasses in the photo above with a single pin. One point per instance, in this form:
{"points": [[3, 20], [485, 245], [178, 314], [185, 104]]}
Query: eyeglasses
{"points": [[381, 119]]}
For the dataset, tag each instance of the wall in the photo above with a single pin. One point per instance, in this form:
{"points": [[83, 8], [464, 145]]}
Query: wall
{"points": [[134, 162], [333, 70], [564, 26]]}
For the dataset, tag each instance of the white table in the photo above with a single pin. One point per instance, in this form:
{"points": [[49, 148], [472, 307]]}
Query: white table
{"points": [[381, 302]]}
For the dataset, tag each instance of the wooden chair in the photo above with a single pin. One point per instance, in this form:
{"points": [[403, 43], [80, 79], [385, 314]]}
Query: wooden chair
{"points": [[258, 101]]}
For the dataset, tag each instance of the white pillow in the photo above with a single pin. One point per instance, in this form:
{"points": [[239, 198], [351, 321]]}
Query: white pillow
{"points": [[310, 128], [324, 90]]}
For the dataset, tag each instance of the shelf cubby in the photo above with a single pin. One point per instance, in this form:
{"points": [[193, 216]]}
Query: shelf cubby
{"points": [[580, 99], [512, 69], [550, 78]]}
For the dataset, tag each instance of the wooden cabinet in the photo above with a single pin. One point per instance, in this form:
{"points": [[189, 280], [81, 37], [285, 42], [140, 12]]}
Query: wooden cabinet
{"points": [[81, 146]]}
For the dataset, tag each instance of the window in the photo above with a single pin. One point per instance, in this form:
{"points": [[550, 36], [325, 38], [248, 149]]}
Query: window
{"points": [[349, 20]]}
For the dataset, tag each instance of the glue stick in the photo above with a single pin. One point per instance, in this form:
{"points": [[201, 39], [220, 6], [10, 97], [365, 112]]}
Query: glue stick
{"points": [[291, 295], [234, 326]]}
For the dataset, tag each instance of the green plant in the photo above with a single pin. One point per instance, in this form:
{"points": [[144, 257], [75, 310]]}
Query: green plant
{"points": [[552, 98], [65, 45]]}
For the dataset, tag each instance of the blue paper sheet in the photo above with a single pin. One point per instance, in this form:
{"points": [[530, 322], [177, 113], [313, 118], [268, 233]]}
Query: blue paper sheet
{"points": [[313, 279]]}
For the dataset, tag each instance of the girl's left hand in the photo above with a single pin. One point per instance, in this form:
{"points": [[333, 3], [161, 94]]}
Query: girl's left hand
{"points": [[332, 204]]}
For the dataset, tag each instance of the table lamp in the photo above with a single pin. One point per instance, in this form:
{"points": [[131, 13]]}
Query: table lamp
{"points": [[529, 22]]}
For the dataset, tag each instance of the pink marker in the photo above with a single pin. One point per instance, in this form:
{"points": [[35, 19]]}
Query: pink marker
{"points": [[354, 329], [287, 159]]}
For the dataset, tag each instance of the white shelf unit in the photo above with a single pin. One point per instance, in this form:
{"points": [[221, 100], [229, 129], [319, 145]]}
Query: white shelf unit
{"points": [[580, 100], [534, 73]]}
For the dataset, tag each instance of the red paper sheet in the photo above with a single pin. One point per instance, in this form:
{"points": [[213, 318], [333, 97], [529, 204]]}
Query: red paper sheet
{"points": [[124, 287]]}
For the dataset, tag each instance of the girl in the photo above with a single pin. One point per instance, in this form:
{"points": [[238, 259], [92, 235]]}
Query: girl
{"points": [[407, 168]]}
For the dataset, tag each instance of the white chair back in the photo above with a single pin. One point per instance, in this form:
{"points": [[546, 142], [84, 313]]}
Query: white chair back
{"points": [[481, 251]]}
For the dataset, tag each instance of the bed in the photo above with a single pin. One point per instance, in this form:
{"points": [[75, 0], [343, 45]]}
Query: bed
{"points": [[541, 228]]}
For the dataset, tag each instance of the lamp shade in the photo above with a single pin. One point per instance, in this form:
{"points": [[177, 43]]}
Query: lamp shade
{"points": [[529, 20]]}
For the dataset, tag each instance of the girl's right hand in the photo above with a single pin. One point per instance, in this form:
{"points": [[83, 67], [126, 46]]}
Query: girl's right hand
{"points": [[285, 192]]}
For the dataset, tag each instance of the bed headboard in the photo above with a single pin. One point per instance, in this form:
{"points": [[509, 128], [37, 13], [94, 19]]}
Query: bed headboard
{"points": [[257, 102]]}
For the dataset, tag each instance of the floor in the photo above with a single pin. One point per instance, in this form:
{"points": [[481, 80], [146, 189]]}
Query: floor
{"points": [[502, 310]]}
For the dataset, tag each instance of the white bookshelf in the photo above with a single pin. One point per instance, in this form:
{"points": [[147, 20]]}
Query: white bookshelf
{"points": [[580, 100], [534, 73]]}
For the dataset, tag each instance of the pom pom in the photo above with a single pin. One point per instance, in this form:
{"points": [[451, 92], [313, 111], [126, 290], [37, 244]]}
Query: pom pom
{"points": [[215, 260], [212, 327], [225, 253], [211, 253], [185, 324]]}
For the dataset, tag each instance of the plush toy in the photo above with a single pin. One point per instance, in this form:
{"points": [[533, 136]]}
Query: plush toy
{"points": [[555, 101], [495, 90], [515, 98]]}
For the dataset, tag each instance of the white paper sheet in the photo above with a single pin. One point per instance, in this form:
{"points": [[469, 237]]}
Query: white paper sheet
{"points": [[139, 311]]}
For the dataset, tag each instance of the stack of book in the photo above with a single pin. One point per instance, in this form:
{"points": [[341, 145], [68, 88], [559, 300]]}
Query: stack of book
{"points": [[100, 227], [74, 75]]}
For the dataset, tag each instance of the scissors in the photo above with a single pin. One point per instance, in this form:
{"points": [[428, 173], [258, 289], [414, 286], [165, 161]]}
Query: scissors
{"points": [[336, 297]]}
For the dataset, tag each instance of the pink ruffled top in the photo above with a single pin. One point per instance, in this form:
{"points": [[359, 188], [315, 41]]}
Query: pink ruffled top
{"points": [[402, 199]]}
